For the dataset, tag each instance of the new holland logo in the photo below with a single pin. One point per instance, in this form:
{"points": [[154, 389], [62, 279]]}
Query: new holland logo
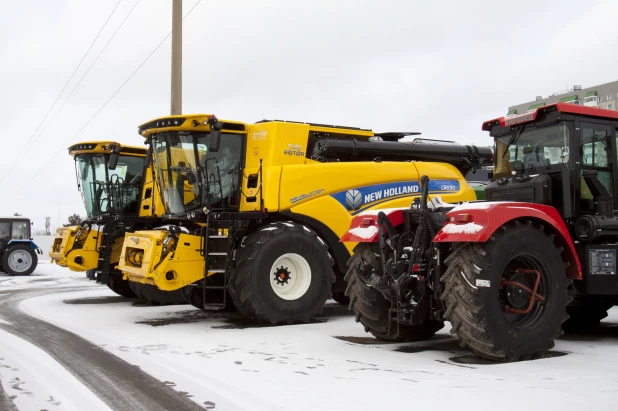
{"points": [[353, 200]]}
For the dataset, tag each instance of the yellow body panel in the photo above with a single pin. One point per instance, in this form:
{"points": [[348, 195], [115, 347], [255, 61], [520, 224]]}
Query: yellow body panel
{"points": [[169, 271], [87, 257]]}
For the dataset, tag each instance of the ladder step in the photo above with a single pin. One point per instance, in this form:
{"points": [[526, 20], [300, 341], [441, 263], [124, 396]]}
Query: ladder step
{"points": [[215, 287], [217, 253], [217, 236], [216, 270]]}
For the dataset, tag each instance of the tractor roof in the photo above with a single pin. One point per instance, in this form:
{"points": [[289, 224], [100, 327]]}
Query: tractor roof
{"points": [[561, 107], [104, 147]]}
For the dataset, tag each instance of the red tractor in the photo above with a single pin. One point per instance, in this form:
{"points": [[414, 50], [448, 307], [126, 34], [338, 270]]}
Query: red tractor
{"points": [[506, 271]]}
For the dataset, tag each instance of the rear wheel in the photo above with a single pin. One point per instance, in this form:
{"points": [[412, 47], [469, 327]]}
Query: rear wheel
{"points": [[372, 309], [19, 259], [490, 293], [283, 274]]}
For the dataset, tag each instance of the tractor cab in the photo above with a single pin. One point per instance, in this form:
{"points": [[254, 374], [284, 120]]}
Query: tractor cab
{"points": [[18, 253], [561, 155]]}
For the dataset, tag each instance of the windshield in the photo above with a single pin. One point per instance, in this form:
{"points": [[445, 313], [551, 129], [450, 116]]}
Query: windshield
{"points": [[534, 149], [178, 173], [117, 190]]}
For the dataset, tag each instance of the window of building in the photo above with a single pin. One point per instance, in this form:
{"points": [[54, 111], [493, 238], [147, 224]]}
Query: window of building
{"points": [[609, 106], [609, 97], [600, 99]]}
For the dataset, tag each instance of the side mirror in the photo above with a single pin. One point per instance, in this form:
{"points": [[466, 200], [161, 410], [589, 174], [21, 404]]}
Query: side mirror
{"points": [[215, 133], [113, 158]]}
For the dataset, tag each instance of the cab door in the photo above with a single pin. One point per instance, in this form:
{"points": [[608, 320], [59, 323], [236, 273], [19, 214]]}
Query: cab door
{"points": [[596, 153]]}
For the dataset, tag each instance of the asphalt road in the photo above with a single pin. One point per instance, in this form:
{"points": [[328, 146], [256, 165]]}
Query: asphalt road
{"points": [[118, 384]]}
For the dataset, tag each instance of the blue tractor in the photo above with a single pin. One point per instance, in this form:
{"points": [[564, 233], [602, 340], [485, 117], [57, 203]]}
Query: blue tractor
{"points": [[18, 253]]}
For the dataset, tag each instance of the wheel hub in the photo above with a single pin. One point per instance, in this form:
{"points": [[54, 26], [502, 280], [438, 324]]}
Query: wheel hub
{"points": [[282, 275], [19, 261], [290, 276]]}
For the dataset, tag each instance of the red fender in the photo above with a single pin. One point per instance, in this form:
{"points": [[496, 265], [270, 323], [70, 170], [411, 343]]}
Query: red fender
{"points": [[364, 226], [476, 222]]}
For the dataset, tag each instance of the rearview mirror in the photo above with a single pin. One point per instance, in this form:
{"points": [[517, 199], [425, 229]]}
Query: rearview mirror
{"points": [[113, 158], [215, 133]]}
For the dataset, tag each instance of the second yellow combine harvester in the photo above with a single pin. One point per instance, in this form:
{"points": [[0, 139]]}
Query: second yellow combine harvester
{"points": [[117, 185], [256, 211]]}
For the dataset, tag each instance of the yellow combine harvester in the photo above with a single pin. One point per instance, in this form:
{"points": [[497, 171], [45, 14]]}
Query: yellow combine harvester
{"points": [[120, 195], [257, 210]]}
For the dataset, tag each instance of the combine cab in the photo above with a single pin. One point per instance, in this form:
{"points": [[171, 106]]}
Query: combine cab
{"points": [[256, 210], [505, 272], [18, 253], [117, 186]]}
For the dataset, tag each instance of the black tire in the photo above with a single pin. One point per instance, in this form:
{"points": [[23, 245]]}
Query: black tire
{"points": [[371, 308], [250, 285], [477, 311], [152, 295], [15, 255], [341, 298], [120, 286], [587, 315]]}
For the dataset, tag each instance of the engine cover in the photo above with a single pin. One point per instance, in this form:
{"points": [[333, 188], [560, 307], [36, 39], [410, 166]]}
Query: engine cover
{"points": [[534, 188]]}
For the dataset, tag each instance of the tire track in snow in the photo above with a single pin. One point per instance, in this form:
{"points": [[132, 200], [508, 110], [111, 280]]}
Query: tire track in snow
{"points": [[120, 385], [5, 402]]}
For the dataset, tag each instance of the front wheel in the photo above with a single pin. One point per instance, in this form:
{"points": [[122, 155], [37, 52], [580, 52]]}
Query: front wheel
{"points": [[153, 295], [372, 309], [120, 286], [19, 259], [506, 298], [283, 274]]}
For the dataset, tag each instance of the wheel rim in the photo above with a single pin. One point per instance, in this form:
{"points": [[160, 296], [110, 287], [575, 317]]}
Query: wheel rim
{"points": [[290, 276], [513, 297], [20, 261]]}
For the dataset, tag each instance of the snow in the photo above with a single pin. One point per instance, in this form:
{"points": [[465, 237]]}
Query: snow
{"points": [[46, 274], [480, 205], [35, 381], [330, 364], [364, 232], [468, 228]]}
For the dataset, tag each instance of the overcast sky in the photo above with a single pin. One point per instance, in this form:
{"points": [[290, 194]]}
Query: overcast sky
{"points": [[439, 67]]}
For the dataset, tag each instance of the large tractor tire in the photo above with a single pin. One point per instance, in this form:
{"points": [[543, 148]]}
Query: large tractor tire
{"points": [[483, 285], [586, 315], [371, 308], [283, 274], [153, 295], [19, 259], [120, 286]]}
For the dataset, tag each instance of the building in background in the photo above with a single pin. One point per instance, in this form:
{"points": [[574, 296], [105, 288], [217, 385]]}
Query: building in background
{"points": [[601, 96]]}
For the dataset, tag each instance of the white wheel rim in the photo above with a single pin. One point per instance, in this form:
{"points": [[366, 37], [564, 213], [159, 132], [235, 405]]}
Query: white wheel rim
{"points": [[290, 276], [20, 261]]}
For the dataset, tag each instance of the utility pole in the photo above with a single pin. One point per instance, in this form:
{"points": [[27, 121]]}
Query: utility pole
{"points": [[176, 91]]}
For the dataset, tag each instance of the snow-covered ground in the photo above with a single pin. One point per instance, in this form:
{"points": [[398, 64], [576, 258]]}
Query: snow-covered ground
{"points": [[223, 362]]}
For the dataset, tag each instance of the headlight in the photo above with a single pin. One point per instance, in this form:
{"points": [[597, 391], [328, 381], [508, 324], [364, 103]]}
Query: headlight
{"points": [[167, 240], [193, 214]]}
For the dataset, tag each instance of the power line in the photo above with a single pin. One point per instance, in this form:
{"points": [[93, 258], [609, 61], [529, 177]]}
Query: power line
{"points": [[82, 78], [62, 91], [112, 96]]}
